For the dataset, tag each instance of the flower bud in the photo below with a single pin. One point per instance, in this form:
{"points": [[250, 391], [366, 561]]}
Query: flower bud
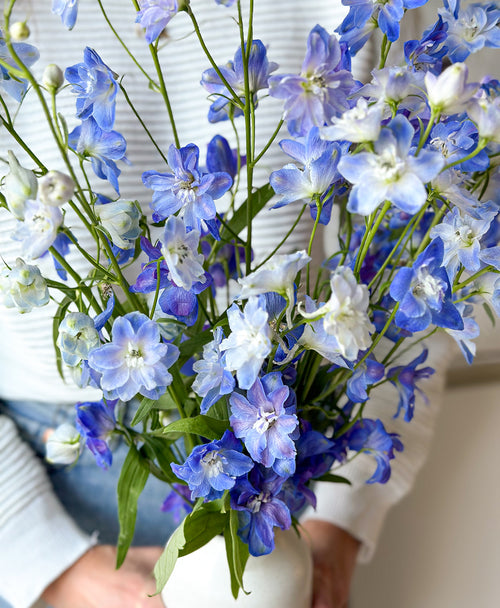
{"points": [[53, 77], [23, 287], [449, 91], [20, 185], [77, 337], [63, 445], [55, 188], [19, 31], [121, 220]]}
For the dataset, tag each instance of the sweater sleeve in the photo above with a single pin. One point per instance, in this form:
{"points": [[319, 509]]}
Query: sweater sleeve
{"points": [[38, 539], [361, 508]]}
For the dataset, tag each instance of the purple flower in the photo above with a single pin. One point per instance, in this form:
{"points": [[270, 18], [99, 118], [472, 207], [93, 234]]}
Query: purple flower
{"points": [[424, 293], [259, 69], [212, 468], [154, 16], [212, 380], [67, 10], [264, 422], [404, 378], [186, 189], [370, 436], [96, 421], [391, 173], [321, 90], [102, 147], [178, 502], [95, 86], [260, 509], [366, 373], [135, 361]]}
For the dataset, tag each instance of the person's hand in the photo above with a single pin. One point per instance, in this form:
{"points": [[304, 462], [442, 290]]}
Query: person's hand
{"points": [[334, 553], [94, 582]]}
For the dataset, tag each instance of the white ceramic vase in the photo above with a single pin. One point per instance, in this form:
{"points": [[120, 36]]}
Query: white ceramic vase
{"points": [[281, 579]]}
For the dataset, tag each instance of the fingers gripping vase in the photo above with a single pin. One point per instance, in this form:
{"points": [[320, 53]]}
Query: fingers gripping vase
{"points": [[282, 579]]}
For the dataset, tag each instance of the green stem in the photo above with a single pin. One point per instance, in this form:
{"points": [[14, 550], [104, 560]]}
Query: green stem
{"points": [[480, 146], [473, 277], [311, 240], [368, 237]]}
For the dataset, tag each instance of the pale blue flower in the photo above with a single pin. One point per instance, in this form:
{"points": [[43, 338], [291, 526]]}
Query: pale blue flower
{"points": [[180, 251], [259, 68], [485, 112], [39, 229], [391, 172], [405, 378], [187, 188], [249, 342], [155, 15], [23, 287], [77, 337], [359, 124], [67, 10], [214, 467], [121, 221], [212, 379], [95, 86], [135, 361], [465, 337], [470, 29], [322, 88], [263, 421], [395, 86], [102, 147]]}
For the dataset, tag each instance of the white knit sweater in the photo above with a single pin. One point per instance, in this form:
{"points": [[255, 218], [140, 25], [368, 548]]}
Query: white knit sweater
{"points": [[37, 539]]}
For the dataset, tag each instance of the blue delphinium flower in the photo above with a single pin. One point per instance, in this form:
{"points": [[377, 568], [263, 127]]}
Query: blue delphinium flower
{"points": [[77, 337], [387, 14], [260, 509], [428, 52], [214, 467], [264, 422], [212, 380], [424, 292], [249, 342], [67, 10], [28, 54], [22, 286], [155, 15], [225, 2], [221, 158], [135, 361], [259, 68], [178, 502], [186, 189], [366, 373], [371, 436], [457, 139], [461, 235], [404, 378], [484, 110], [312, 182], [391, 172], [102, 147], [95, 86], [464, 338], [322, 88], [470, 29], [96, 421]]}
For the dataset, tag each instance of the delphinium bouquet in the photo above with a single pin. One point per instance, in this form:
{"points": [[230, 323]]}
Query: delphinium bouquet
{"points": [[250, 377]]}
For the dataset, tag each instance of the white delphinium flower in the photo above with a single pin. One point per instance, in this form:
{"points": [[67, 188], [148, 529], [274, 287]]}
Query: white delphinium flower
{"points": [[180, 250], [278, 275], [345, 314], [249, 342], [449, 92], [64, 445], [359, 124], [23, 287], [55, 188], [121, 219]]}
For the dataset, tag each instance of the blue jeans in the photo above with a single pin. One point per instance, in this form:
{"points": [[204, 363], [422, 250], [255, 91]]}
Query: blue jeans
{"points": [[88, 492]]}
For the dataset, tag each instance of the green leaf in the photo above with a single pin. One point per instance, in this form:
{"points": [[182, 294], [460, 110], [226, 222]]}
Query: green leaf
{"points": [[239, 220], [237, 554], [159, 449], [204, 523], [333, 478], [133, 477], [205, 426], [194, 345]]}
